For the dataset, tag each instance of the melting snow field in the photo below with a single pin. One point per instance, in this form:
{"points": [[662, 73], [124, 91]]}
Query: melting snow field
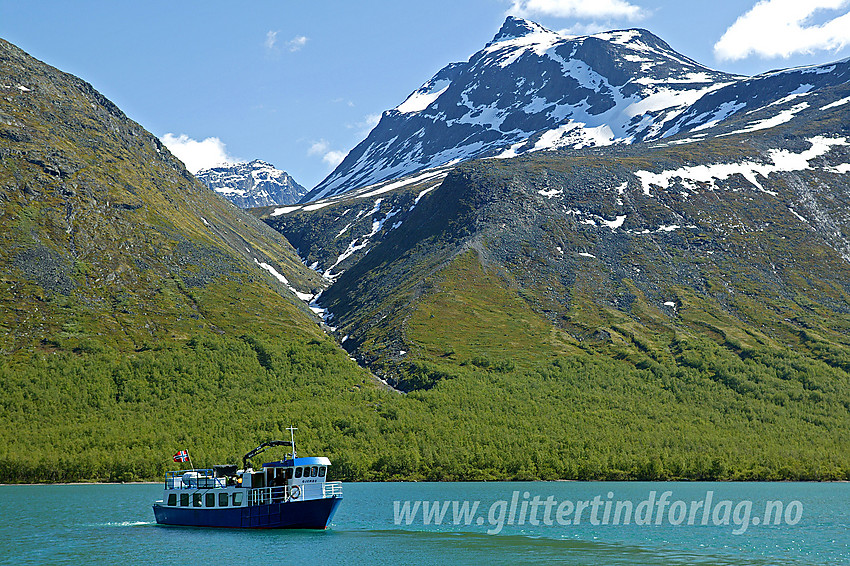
{"points": [[837, 103], [550, 193], [782, 160], [368, 191], [430, 175], [781, 118], [285, 210], [277, 275]]}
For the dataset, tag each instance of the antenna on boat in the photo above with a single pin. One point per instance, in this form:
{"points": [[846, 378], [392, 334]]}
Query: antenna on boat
{"points": [[292, 430]]}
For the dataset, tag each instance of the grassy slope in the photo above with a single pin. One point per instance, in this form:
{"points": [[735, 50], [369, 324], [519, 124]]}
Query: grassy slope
{"points": [[639, 405]]}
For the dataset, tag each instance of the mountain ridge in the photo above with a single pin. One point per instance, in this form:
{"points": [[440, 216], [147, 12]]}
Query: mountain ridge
{"points": [[532, 89], [527, 80], [139, 308], [708, 276]]}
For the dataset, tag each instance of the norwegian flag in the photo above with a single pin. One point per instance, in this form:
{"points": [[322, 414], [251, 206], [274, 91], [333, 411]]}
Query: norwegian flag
{"points": [[181, 456]]}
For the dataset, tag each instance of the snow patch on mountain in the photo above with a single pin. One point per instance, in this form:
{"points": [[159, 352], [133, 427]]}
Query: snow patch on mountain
{"points": [[781, 160], [422, 98], [385, 188], [837, 103], [277, 275], [780, 118]]}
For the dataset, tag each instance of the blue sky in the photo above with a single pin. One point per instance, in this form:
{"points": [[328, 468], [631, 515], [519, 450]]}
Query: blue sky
{"points": [[299, 83]]}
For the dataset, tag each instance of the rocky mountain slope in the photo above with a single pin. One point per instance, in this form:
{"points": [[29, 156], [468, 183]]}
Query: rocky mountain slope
{"points": [[710, 259], [101, 224], [739, 215], [533, 89], [252, 184]]}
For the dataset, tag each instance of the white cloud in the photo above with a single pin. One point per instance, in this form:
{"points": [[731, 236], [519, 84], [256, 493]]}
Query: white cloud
{"points": [[576, 9], [297, 42], [329, 156], [197, 155], [293, 45], [371, 120], [781, 28], [333, 158], [271, 39], [364, 126], [318, 147]]}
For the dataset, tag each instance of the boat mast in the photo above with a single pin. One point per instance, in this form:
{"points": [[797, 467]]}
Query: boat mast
{"points": [[292, 430]]}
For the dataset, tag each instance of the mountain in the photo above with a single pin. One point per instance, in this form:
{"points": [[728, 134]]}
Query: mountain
{"points": [[138, 309], [251, 184], [99, 216], [689, 288], [671, 309], [531, 89], [599, 218]]}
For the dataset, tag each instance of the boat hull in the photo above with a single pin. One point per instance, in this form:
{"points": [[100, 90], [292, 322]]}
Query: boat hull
{"points": [[307, 514]]}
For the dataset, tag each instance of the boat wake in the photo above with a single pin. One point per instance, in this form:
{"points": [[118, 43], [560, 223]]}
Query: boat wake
{"points": [[126, 524]]}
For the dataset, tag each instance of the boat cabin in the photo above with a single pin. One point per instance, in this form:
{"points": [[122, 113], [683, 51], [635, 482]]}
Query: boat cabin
{"points": [[303, 477]]}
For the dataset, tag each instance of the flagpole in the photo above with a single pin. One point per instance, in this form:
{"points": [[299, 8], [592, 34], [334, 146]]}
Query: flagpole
{"points": [[191, 465]]}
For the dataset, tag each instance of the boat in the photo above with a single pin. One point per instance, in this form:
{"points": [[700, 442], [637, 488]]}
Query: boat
{"points": [[288, 494]]}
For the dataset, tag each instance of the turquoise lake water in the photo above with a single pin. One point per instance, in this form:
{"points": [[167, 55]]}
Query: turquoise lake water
{"points": [[513, 523]]}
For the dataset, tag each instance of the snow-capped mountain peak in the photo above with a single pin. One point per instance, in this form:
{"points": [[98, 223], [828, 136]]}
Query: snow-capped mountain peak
{"points": [[518, 28], [534, 89], [256, 183]]}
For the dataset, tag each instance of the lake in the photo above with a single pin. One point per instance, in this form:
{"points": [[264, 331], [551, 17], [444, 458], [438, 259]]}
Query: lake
{"points": [[598, 523]]}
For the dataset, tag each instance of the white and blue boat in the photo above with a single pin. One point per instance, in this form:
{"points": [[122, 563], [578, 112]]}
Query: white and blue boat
{"points": [[289, 494]]}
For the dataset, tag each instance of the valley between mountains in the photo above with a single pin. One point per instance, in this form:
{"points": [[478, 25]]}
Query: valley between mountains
{"points": [[565, 258]]}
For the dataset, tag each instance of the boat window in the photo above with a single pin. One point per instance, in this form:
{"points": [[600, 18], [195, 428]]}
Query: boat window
{"points": [[276, 477], [322, 472], [210, 499], [237, 499], [298, 472], [222, 500], [258, 480], [289, 473], [314, 471], [172, 499], [196, 500], [184, 500]]}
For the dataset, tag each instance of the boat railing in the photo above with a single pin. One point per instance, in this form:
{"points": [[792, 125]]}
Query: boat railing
{"points": [[281, 494], [192, 479], [266, 495]]}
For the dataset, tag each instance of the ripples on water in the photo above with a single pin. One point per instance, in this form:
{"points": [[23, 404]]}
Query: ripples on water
{"points": [[113, 524]]}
